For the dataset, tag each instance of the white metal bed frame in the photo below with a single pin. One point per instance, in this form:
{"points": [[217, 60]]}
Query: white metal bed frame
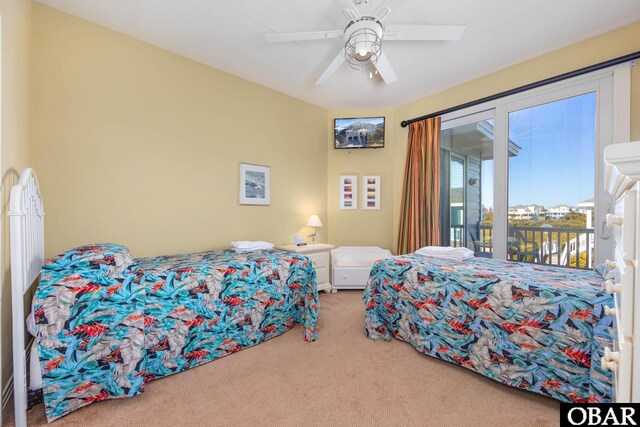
{"points": [[26, 213]]}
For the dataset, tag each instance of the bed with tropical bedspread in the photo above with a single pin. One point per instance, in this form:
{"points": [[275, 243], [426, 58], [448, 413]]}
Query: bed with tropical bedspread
{"points": [[106, 323], [529, 326]]}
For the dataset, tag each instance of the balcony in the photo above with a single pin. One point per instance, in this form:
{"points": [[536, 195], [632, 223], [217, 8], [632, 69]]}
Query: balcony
{"points": [[564, 247]]}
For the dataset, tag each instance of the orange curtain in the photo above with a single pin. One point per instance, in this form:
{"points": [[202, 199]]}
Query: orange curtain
{"points": [[419, 214]]}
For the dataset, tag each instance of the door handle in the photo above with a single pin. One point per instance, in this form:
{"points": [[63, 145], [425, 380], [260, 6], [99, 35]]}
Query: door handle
{"points": [[605, 231]]}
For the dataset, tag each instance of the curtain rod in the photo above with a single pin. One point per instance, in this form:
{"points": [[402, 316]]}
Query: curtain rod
{"points": [[585, 70]]}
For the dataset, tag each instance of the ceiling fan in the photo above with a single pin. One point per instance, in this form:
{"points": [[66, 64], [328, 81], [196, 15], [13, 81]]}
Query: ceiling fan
{"points": [[363, 37]]}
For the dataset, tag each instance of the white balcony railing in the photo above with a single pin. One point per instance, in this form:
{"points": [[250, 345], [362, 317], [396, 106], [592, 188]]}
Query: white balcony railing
{"points": [[566, 247]]}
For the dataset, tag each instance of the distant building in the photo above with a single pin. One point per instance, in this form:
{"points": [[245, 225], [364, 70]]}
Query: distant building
{"points": [[533, 212], [358, 137], [358, 132], [558, 211]]}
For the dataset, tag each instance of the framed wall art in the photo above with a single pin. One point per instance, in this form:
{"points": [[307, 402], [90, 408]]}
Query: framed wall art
{"points": [[348, 191], [255, 184], [371, 192]]}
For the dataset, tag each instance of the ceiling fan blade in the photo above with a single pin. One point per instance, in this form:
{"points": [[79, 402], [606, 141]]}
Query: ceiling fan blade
{"points": [[348, 8], [381, 13], [332, 68], [309, 35], [423, 32], [351, 14], [384, 69], [383, 10]]}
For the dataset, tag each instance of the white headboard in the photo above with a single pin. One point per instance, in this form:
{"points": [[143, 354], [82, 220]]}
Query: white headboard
{"points": [[26, 233]]}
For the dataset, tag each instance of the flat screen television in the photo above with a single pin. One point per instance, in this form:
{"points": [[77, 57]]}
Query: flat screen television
{"points": [[363, 132]]}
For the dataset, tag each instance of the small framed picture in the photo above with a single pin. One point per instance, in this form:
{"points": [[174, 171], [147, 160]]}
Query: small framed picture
{"points": [[371, 192], [255, 184], [348, 191]]}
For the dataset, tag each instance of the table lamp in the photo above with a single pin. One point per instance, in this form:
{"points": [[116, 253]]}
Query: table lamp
{"points": [[314, 221]]}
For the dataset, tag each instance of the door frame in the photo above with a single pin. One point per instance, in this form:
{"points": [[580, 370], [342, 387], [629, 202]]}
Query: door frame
{"points": [[613, 114], [462, 158]]}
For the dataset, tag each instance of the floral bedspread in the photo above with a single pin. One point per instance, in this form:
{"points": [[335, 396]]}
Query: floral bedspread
{"points": [[534, 327], [104, 331]]}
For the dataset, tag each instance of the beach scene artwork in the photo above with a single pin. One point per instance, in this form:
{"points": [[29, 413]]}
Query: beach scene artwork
{"points": [[255, 186]]}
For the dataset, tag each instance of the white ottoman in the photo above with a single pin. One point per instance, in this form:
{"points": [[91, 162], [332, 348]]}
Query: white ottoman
{"points": [[351, 265]]}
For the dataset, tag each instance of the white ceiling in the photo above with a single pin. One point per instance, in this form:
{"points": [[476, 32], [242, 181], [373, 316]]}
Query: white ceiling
{"points": [[229, 35]]}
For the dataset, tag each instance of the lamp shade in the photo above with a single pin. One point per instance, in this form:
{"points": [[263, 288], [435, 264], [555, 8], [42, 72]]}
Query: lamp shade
{"points": [[314, 221]]}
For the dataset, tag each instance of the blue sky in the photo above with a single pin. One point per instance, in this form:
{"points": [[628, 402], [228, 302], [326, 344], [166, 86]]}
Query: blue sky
{"points": [[556, 163]]}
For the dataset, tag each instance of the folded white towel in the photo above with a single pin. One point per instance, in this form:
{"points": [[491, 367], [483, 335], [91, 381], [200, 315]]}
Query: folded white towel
{"points": [[249, 246], [459, 254]]}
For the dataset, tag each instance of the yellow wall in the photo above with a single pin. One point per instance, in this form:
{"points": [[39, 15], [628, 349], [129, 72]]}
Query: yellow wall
{"points": [[136, 145], [14, 140], [606, 46], [361, 227], [140, 146]]}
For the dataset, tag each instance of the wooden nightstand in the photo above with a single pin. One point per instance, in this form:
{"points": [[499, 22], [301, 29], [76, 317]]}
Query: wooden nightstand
{"points": [[318, 253]]}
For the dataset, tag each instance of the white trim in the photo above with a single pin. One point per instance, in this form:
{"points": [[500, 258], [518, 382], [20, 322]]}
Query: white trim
{"points": [[26, 214], [613, 93], [622, 103], [523, 95], [603, 201], [500, 182], [465, 120], [554, 95]]}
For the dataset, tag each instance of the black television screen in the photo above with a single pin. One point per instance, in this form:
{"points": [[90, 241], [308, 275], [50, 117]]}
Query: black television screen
{"points": [[365, 132]]}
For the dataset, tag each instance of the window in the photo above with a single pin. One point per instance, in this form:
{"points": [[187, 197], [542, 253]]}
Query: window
{"points": [[552, 182], [522, 176], [467, 177]]}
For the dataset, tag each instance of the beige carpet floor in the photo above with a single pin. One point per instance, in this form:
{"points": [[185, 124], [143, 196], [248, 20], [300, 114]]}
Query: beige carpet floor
{"points": [[343, 379]]}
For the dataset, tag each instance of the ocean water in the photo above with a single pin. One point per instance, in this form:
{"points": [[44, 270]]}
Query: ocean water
{"points": [[254, 186]]}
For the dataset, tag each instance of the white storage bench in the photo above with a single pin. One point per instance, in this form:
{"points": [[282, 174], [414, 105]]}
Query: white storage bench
{"points": [[352, 264]]}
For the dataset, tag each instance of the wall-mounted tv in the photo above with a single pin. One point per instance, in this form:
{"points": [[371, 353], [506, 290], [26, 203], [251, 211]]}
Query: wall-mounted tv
{"points": [[364, 132]]}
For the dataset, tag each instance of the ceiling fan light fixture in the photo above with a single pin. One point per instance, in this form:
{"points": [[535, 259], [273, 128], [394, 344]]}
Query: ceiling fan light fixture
{"points": [[363, 55], [363, 36], [363, 47]]}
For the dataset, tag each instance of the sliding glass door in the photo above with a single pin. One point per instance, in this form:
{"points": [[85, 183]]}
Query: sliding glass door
{"points": [[522, 179], [466, 147], [552, 182]]}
